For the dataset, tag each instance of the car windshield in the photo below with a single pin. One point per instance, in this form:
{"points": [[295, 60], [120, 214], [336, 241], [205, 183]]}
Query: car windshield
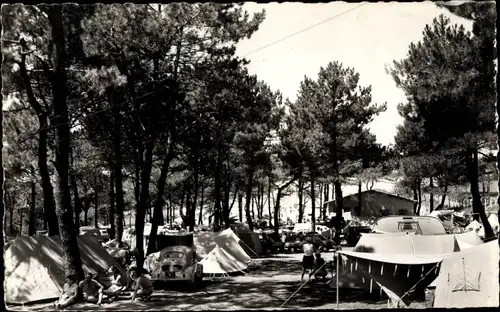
{"points": [[426, 225]]}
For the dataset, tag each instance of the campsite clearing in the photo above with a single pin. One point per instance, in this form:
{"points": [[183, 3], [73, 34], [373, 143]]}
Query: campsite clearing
{"points": [[266, 287]]}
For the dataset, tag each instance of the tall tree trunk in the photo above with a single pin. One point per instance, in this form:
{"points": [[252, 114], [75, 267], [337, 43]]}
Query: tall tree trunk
{"points": [[235, 193], [269, 188], [419, 191], [257, 201], [477, 205], [71, 253], [96, 203], [112, 210], [187, 217], [360, 196], [76, 196], [160, 202], [443, 197], [313, 202], [240, 206], [50, 217], [143, 201], [250, 172], [321, 196], [21, 221], [49, 206], [196, 188], [415, 196], [218, 189], [32, 215], [327, 199], [277, 204], [301, 199], [431, 195], [183, 196], [225, 203], [202, 199], [340, 208], [117, 167], [253, 207]]}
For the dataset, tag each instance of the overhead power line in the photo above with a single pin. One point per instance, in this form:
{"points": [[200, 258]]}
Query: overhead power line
{"points": [[305, 29]]}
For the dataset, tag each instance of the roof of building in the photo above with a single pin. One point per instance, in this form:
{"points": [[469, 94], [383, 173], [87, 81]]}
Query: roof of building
{"points": [[376, 191]]}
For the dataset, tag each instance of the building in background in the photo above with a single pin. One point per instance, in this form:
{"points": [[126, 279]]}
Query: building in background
{"points": [[374, 203]]}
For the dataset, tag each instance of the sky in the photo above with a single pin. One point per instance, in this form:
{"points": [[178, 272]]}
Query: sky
{"points": [[368, 37]]}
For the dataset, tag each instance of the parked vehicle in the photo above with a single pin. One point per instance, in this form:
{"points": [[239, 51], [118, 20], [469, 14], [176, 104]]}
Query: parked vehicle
{"points": [[176, 264], [319, 241], [353, 233], [270, 243], [104, 234], [174, 259], [293, 242]]}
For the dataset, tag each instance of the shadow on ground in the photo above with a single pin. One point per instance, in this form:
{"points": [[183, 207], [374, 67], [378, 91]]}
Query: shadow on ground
{"points": [[239, 295], [266, 287]]}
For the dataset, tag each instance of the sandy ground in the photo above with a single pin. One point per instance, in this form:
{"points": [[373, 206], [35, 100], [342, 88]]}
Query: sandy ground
{"points": [[268, 286]]}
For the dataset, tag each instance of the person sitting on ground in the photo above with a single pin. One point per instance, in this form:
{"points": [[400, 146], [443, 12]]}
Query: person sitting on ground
{"points": [[143, 287], [91, 289], [69, 295], [308, 258], [116, 287], [319, 266]]}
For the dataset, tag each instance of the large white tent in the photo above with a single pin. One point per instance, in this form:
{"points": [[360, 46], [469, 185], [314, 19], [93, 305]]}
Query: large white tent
{"points": [[469, 278], [220, 261]]}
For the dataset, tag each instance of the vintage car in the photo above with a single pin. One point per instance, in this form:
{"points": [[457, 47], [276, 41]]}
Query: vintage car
{"points": [[293, 242], [271, 243], [176, 263]]}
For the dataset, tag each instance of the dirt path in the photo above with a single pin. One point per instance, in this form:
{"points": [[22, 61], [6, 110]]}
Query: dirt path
{"points": [[266, 287]]}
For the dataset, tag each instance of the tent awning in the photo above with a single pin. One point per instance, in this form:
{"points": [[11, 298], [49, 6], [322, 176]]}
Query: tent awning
{"points": [[396, 258]]}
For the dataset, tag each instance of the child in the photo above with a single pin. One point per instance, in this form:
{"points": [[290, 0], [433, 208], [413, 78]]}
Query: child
{"points": [[69, 295], [319, 267], [308, 258], [143, 287], [91, 289], [116, 287]]}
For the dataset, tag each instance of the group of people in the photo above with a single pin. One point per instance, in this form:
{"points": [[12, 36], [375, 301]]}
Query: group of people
{"points": [[90, 290], [312, 261]]}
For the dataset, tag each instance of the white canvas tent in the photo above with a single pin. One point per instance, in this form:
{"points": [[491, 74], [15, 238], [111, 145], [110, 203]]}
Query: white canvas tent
{"points": [[219, 261], [220, 253], [493, 220], [230, 242], [469, 278], [474, 226], [468, 240], [204, 242], [34, 268]]}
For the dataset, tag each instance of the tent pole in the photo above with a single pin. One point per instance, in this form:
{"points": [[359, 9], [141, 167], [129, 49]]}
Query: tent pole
{"points": [[338, 271], [248, 247]]}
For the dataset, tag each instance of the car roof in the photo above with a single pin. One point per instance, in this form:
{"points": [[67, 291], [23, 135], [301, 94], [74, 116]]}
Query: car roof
{"points": [[179, 248]]}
